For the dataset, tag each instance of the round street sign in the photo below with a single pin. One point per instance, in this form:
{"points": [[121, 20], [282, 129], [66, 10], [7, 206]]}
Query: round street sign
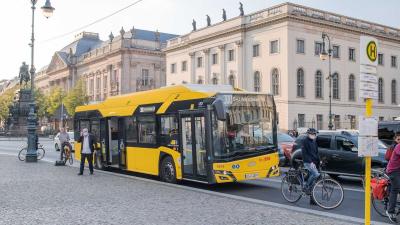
{"points": [[372, 51]]}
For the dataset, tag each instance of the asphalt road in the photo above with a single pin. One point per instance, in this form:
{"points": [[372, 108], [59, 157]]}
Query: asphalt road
{"points": [[266, 190]]}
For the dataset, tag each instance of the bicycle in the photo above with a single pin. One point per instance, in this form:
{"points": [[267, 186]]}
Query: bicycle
{"points": [[66, 155], [326, 192], [381, 205], [40, 152]]}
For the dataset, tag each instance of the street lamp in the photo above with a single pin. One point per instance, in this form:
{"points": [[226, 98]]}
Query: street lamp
{"points": [[31, 155], [324, 56]]}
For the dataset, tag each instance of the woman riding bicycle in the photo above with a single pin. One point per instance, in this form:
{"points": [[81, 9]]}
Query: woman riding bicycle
{"points": [[311, 158], [393, 171], [64, 140]]}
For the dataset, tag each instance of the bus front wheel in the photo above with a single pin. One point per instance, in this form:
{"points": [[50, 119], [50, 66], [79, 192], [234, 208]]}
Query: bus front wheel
{"points": [[167, 170]]}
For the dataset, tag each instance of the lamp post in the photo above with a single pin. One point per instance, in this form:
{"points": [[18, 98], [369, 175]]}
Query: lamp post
{"points": [[31, 155], [324, 56]]}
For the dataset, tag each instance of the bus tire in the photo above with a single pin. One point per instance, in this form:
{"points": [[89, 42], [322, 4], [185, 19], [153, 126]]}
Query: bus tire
{"points": [[167, 170], [98, 164]]}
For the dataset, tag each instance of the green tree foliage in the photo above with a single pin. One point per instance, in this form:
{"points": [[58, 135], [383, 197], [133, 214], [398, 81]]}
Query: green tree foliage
{"points": [[54, 100], [6, 99], [76, 97], [42, 103]]}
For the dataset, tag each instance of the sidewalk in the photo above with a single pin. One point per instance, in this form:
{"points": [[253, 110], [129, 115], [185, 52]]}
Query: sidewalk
{"points": [[44, 194]]}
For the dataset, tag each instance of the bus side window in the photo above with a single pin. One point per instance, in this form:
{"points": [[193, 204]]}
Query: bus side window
{"points": [[95, 129], [131, 130], [169, 131], [147, 129]]}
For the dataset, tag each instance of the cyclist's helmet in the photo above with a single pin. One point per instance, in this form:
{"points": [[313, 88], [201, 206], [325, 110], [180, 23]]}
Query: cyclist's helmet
{"points": [[312, 131]]}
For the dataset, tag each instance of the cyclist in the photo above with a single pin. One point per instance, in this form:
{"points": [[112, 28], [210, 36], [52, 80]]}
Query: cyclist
{"points": [[393, 171], [64, 140], [311, 159]]}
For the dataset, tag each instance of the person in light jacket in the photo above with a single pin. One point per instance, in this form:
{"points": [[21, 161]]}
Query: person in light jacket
{"points": [[88, 144]]}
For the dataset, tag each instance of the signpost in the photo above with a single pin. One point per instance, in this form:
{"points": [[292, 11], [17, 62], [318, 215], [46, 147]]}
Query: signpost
{"points": [[368, 126]]}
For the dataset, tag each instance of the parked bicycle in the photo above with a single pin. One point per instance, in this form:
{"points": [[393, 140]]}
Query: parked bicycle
{"points": [[40, 152], [325, 191], [66, 155], [380, 185]]}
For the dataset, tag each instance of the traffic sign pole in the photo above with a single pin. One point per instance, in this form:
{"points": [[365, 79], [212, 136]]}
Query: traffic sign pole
{"points": [[368, 113]]}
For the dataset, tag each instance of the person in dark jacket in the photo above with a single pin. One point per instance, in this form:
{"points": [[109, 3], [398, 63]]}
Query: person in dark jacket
{"points": [[88, 144], [311, 158]]}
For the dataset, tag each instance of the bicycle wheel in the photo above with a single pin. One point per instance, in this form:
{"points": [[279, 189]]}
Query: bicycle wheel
{"points": [[328, 193], [40, 153], [22, 154], [291, 188], [70, 159], [380, 206]]}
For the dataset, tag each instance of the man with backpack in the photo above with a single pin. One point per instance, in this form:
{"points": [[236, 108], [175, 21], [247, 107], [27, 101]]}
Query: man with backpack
{"points": [[393, 171]]}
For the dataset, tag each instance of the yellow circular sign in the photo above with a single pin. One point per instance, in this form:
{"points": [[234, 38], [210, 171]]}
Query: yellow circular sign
{"points": [[372, 51]]}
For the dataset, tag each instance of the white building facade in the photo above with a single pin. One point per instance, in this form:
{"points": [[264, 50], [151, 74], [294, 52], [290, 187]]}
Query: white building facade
{"points": [[276, 50]]}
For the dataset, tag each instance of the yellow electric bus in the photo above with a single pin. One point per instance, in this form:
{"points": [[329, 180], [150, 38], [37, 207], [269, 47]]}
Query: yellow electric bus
{"points": [[204, 133]]}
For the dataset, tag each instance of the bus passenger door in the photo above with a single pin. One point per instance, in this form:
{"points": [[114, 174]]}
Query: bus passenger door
{"points": [[113, 134], [103, 139], [121, 144], [193, 145]]}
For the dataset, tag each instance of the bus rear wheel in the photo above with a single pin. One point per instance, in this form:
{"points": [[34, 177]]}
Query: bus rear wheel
{"points": [[167, 170]]}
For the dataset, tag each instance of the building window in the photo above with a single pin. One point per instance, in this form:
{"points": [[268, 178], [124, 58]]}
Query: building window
{"points": [[380, 90], [145, 77], [275, 82], [335, 86], [200, 81], [337, 121], [380, 59], [105, 82], [336, 51], [257, 82], [394, 92], [91, 87], [274, 46], [173, 67], [147, 129], [232, 80], [353, 123], [300, 83], [184, 65], [300, 46], [320, 122], [215, 58], [215, 79], [318, 48], [98, 87], [352, 54], [318, 84], [301, 119], [231, 55], [199, 62], [381, 118], [256, 50], [394, 61], [352, 96]]}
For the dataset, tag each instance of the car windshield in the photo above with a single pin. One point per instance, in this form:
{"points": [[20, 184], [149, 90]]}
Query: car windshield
{"points": [[249, 121]]}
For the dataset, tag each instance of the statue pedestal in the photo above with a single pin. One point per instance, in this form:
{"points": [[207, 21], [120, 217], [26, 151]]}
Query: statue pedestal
{"points": [[19, 113]]}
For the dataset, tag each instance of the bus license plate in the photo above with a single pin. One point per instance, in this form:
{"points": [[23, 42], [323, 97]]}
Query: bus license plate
{"points": [[251, 175]]}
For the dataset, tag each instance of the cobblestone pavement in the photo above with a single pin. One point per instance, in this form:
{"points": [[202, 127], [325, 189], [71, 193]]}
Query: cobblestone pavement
{"points": [[41, 193]]}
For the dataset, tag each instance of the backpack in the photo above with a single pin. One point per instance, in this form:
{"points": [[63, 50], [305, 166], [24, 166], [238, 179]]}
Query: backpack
{"points": [[389, 152], [379, 188]]}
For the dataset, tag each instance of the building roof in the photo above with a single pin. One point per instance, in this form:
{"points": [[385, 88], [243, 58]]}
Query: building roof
{"points": [[81, 46], [151, 35]]}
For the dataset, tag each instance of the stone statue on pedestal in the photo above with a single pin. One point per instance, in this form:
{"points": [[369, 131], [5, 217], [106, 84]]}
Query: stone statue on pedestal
{"points": [[24, 74]]}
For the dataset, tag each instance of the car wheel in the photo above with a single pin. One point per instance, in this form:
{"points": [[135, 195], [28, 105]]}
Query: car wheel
{"points": [[57, 147]]}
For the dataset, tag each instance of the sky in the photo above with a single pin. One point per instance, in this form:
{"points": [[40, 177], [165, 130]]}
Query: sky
{"points": [[169, 16]]}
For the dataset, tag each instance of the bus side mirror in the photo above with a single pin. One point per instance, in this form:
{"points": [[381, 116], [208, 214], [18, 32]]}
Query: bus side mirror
{"points": [[219, 109]]}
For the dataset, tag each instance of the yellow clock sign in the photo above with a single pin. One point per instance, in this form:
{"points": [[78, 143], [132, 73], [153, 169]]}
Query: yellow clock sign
{"points": [[372, 51]]}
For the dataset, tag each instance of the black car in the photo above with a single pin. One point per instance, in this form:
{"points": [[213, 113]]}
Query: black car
{"points": [[339, 148], [387, 130]]}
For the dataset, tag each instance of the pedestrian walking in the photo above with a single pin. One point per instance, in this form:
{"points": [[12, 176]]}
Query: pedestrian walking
{"points": [[88, 143], [393, 170]]}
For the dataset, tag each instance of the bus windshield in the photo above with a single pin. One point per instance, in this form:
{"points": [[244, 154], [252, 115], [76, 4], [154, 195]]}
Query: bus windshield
{"points": [[247, 128]]}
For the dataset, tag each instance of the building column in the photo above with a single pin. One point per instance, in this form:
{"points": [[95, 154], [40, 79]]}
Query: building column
{"points": [[206, 66], [222, 64], [192, 68], [239, 60]]}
